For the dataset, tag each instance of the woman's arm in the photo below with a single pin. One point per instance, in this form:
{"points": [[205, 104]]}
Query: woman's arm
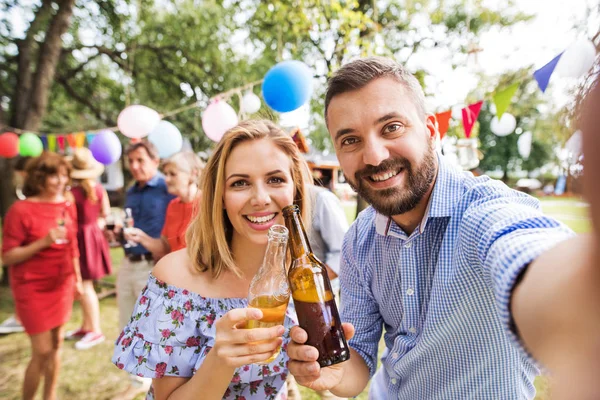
{"points": [[105, 211], [159, 247], [20, 254]]}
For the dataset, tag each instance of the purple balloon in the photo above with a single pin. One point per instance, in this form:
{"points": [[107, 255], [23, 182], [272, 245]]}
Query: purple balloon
{"points": [[105, 147]]}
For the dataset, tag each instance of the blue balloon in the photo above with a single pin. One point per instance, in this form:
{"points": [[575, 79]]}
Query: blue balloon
{"points": [[287, 86], [105, 147], [167, 139]]}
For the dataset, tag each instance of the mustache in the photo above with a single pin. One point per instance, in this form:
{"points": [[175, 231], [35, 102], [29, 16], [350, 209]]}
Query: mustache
{"points": [[385, 165]]}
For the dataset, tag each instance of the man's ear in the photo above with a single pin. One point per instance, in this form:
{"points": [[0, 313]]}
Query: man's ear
{"points": [[432, 126]]}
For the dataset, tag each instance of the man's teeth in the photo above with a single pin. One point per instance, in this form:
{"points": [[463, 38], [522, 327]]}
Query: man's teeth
{"points": [[385, 176], [260, 220]]}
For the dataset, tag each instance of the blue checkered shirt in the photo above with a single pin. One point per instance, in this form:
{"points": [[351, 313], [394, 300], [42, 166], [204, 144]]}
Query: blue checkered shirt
{"points": [[443, 292]]}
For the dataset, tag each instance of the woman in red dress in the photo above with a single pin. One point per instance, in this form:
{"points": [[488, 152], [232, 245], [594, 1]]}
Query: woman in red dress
{"points": [[40, 245], [94, 255]]}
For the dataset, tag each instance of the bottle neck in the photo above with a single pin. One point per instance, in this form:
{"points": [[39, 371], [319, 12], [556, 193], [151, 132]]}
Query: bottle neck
{"points": [[275, 254], [299, 245]]}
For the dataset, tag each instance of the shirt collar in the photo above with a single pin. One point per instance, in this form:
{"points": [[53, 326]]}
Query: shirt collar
{"points": [[152, 182], [445, 195]]}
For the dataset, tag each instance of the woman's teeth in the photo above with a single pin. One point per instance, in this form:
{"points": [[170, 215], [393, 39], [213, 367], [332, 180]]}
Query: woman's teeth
{"points": [[260, 220]]}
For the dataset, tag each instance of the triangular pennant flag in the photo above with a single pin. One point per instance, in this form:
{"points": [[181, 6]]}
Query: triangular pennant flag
{"points": [[79, 139], [61, 142], [542, 75], [71, 140], [443, 120], [52, 142], [503, 98], [44, 140], [89, 136], [469, 116]]}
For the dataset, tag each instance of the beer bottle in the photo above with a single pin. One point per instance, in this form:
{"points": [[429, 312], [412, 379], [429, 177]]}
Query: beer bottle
{"points": [[313, 297], [269, 290]]}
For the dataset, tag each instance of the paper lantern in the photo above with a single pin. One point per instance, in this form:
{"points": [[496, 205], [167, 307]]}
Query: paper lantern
{"points": [[30, 145], [137, 121], [524, 144], [217, 119], [9, 145], [577, 59], [287, 86], [250, 103], [105, 147], [505, 126], [167, 139]]}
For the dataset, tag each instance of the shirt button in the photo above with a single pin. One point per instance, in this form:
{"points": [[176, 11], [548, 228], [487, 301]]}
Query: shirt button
{"points": [[394, 355], [410, 291], [412, 330], [394, 381], [407, 245]]}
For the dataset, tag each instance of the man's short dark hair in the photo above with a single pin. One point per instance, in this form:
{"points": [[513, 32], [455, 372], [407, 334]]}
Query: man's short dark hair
{"points": [[144, 144], [358, 73]]}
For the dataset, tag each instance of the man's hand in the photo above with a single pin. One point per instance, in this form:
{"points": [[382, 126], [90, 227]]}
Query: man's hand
{"points": [[303, 361]]}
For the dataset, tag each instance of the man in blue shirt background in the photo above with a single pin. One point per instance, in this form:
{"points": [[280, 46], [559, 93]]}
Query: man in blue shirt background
{"points": [[148, 199], [474, 286]]}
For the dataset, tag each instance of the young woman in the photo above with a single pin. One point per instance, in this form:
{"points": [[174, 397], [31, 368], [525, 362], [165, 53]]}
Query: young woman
{"points": [[94, 256], [185, 330], [182, 173], [40, 245]]}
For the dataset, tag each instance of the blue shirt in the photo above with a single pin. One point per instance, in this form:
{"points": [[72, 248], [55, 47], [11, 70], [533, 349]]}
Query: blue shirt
{"points": [[442, 293], [148, 205]]}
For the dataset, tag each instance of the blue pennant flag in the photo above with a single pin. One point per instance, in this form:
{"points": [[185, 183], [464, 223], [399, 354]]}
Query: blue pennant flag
{"points": [[44, 140], [542, 75], [89, 136]]}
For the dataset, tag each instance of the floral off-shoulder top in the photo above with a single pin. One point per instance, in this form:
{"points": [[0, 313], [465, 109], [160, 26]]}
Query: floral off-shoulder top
{"points": [[172, 330]]}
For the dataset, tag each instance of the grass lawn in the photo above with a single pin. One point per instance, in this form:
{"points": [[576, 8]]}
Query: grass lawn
{"points": [[90, 375]]}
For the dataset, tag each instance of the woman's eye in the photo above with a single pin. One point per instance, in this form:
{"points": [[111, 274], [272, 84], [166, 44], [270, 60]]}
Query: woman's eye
{"points": [[276, 179], [240, 183]]}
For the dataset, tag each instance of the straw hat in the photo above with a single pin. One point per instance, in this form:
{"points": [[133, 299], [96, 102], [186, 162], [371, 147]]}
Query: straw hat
{"points": [[85, 165]]}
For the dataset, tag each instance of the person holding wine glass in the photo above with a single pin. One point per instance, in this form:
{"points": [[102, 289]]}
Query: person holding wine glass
{"points": [[44, 274], [185, 329], [92, 206]]}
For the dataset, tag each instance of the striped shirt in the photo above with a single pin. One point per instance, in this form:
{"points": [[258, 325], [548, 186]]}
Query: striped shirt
{"points": [[442, 293]]}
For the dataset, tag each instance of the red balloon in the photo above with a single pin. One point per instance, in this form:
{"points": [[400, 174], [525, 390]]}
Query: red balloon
{"points": [[9, 145]]}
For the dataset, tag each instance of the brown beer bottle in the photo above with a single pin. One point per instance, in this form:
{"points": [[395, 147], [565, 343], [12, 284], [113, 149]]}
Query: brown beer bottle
{"points": [[312, 294]]}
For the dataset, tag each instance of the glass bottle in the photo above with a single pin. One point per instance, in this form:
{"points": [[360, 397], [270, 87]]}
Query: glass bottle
{"points": [[269, 290], [313, 298]]}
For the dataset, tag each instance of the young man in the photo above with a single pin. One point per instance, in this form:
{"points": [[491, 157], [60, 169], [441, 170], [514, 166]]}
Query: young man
{"points": [[468, 277], [148, 199]]}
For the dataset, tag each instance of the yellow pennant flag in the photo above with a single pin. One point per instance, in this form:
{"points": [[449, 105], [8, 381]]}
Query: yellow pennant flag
{"points": [[80, 139], [502, 98], [52, 142]]}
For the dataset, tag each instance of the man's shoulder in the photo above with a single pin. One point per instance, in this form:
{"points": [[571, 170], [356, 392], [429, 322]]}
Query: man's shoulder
{"points": [[363, 229]]}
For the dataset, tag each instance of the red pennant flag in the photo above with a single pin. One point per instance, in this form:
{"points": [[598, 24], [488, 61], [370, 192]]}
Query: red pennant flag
{"points": [[61, 142], [71, 140], [443, 120], [469, 116]]}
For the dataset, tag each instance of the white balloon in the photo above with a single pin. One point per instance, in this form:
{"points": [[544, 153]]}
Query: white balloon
{"points": [[505, 126], [217, 119], [250, 103], [524, 144], [577, 59], [137, 121]]}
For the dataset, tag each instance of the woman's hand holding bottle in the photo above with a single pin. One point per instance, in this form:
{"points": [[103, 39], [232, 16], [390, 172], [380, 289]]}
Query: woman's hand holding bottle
{"points": [[237, 346]]}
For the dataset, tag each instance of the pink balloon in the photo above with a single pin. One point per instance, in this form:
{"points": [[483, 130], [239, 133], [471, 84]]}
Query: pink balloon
{"points": [[137, 121], [217, 119]]}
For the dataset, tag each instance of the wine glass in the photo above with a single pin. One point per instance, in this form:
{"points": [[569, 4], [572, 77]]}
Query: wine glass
{"points": [[127, 227], [61, 221]]}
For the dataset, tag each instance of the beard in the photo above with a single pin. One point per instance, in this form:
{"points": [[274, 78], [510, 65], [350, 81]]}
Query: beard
{"points": [[397, 200]]}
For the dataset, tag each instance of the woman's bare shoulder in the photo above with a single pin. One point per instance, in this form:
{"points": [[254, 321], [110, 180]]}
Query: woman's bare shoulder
{"points": [[176, 269]]}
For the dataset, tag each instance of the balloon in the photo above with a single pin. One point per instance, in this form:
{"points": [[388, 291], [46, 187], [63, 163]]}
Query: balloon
{"points": [[524, 144], [250, 103], [105, 147], [217, 119], [9, 144], [137, 121], [30, 145], [167, 139], [287, 86], [505, 126], [577, 59]]}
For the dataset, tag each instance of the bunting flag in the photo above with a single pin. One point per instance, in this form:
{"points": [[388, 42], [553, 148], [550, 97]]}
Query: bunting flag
{"points": [[71, 140], [469, 116], [502, 98], [52, 142], [89, 136], [44, 140], [61, 142], [443, 120], [80, 139], [542, 75]]}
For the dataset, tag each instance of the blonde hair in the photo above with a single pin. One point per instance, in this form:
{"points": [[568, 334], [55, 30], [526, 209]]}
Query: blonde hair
{"points": [[209, 235], [186, 161]]}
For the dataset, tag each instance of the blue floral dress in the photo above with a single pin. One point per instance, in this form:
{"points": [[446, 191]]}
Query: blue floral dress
{"points": [[172, 330]]}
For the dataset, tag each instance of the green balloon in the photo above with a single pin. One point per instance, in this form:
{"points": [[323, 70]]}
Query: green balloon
{"points": [[30, 145]]}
